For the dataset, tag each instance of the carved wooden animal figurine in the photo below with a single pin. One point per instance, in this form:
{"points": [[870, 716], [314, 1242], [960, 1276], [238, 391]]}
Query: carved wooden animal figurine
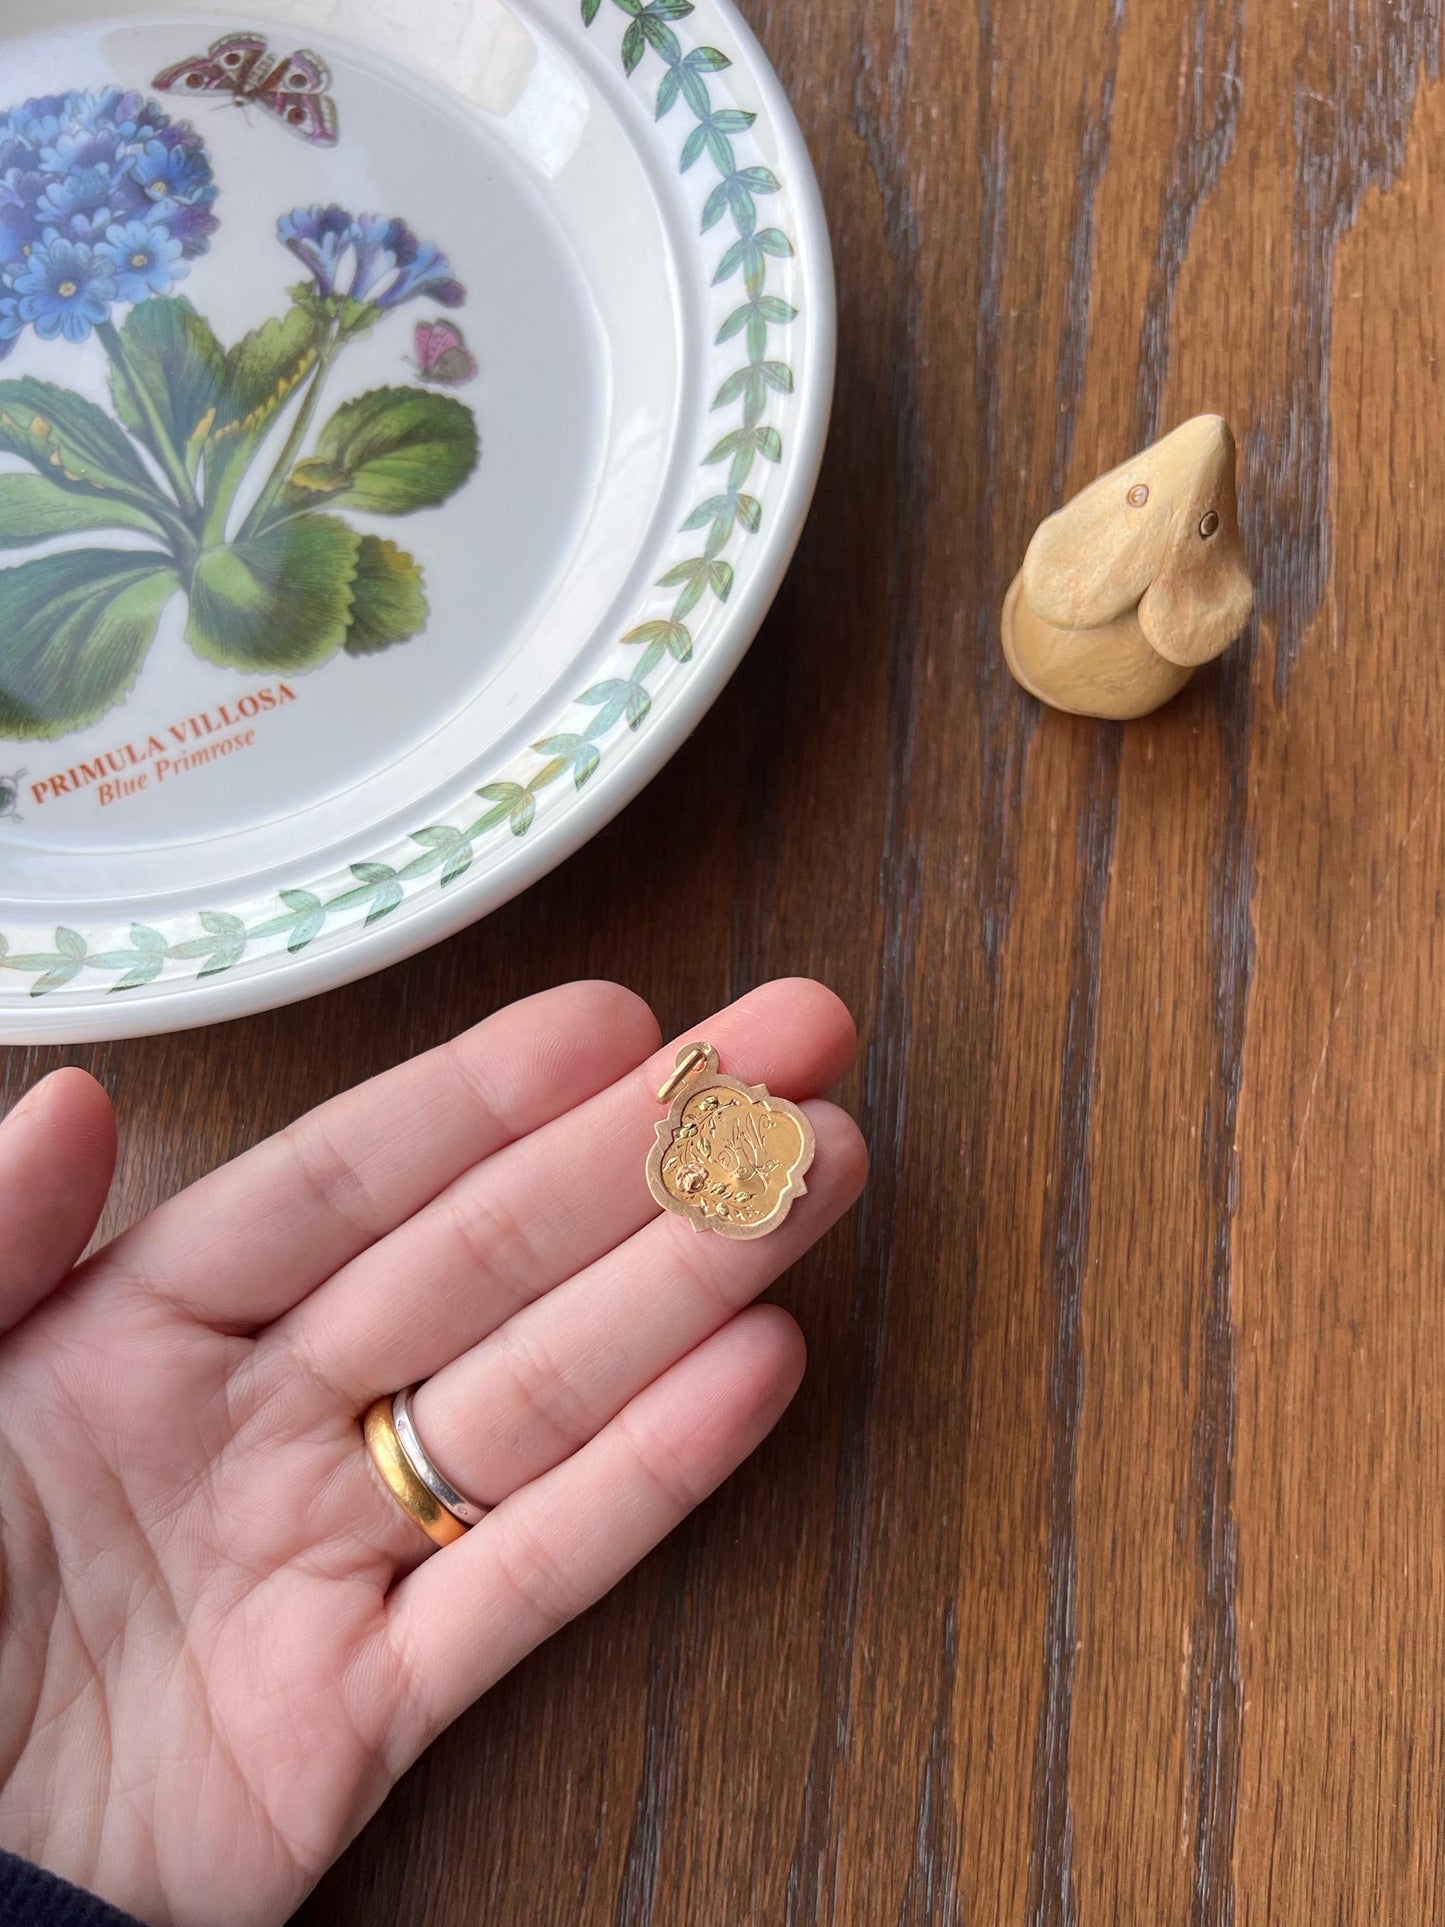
{"points": [[1135, 582]]}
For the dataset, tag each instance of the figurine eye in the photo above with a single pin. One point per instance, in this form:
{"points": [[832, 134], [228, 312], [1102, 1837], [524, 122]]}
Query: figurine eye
{"points": [[1138, 495], [1208, 524]]}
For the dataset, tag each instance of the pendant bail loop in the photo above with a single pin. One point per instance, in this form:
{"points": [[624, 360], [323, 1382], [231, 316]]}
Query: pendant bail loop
{"points": [[693, 1060]]}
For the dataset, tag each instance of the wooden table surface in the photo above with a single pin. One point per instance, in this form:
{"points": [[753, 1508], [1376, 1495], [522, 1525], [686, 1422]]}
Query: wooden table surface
{"points": [[1098, 1574]]}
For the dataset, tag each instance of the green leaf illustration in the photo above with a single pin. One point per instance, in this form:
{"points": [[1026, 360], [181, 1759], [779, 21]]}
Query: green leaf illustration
{"points": [[262, 369], [709, 511], [262, 373], [659, 35], [72, 442], [568, 751], [380, 889], [307, 918], [140, 974], [613, 700], [694, 90], [669, 635], [692, 577], [692, 147], [35, 509], [314, 483], [446, 846], [223, 945], [57, 967], [747, 256], [281, 600], [390, 452], [74, 631], [740, 383], [390, 598], [173, 354], [720, 148], [140, 966]]}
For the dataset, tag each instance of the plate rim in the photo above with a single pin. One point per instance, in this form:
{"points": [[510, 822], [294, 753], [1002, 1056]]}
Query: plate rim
{"points": [[179, 1004]]}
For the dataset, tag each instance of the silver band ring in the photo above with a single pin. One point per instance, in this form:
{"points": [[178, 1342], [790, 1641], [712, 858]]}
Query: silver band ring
{"points": [[441, 1490]]}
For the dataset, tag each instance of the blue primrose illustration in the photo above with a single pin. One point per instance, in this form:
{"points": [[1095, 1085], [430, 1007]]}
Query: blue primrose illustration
{"points": [[213, 454], [80, 174], [388, 264]]}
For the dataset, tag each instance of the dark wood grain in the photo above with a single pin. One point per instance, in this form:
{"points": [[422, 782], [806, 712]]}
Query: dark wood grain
{"points": [[1098, 1575]]}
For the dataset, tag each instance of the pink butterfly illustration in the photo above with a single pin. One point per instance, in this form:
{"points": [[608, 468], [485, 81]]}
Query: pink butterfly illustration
{"points": [[442, 354], [295, 90]]}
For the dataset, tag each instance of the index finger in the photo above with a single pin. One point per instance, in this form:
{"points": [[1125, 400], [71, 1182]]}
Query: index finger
{"points": [[252, 1239]]}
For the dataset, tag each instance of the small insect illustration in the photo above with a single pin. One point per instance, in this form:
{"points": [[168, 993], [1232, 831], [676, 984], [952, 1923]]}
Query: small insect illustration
{"points": [[10, 796], [442, 355], [295, 90]]}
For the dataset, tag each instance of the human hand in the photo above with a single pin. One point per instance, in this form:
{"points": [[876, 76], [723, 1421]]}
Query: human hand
{"points": [[221, 1638]]}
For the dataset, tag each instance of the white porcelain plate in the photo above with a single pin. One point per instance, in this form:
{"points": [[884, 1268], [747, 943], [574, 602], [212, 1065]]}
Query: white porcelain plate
{"points": [[406, 416]]}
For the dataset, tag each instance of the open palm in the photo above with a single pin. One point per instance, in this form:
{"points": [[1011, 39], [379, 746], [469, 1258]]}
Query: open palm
{"points": [[221, 1639]]}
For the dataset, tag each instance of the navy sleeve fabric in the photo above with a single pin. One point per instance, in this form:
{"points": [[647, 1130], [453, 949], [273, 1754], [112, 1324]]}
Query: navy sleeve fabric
{"points": [[30, 1898]]}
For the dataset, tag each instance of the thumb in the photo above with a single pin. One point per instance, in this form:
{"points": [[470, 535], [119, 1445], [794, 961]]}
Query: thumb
{"points": [[57, 1158]]}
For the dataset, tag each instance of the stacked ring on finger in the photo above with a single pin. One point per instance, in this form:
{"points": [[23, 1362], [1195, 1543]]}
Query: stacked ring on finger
{"points": [[411, 1475]]}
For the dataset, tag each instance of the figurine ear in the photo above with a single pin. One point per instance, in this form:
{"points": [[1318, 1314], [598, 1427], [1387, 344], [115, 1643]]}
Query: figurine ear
{"points": [[1090, 563], [1201, 598]]}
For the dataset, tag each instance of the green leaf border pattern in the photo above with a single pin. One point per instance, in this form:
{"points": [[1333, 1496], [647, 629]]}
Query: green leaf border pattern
{"points": [[445, 852]]}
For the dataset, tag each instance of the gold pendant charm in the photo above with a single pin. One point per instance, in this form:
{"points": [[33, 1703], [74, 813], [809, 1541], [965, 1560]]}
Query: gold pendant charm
{"points": [[728, 1155]]}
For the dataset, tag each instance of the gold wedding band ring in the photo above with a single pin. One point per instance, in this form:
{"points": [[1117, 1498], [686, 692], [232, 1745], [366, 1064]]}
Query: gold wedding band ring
{"points": [[404, 1481]]}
